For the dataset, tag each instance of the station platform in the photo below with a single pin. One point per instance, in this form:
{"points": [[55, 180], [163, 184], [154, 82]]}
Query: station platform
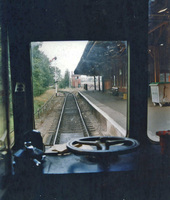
{"points": [[114, 108]]}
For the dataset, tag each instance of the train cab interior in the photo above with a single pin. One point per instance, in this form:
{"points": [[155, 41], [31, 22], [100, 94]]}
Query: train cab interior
{"points": [[141, 174]]}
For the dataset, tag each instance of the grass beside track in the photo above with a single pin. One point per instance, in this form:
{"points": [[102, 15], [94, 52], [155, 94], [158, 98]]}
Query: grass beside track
{"points": [[40, 100]]}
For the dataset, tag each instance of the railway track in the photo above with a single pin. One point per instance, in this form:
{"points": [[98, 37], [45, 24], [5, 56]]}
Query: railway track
{"points": [[71, 124]]}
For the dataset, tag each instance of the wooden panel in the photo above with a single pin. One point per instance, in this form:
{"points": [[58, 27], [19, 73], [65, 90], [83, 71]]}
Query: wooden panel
{"points": [[107, 84]]}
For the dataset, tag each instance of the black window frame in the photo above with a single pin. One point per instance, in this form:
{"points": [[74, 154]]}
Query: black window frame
{"points": [[130, 24]]}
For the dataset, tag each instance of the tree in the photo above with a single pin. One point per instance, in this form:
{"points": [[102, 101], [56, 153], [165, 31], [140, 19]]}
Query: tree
{"points": [[65, 81], [42, 71], [67, 78]]}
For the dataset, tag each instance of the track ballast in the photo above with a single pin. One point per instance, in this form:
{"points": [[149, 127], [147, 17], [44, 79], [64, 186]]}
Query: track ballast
{"points": [[71, 124]]}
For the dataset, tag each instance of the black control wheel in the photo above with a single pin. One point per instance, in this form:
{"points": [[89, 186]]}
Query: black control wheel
{"points": [[102, 146]]}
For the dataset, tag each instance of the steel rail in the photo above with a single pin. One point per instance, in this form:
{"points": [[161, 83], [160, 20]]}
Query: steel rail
{"points": [[83, 122], [59, 122], [61, 116]]}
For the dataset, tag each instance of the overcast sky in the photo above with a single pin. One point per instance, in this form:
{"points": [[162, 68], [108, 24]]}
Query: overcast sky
{"points": [[68, 53]]}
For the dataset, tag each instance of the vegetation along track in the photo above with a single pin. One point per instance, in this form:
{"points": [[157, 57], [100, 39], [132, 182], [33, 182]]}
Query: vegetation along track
{"points": [[71, 124]]}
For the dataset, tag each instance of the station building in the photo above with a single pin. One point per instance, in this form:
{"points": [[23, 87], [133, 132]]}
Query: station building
{"points": [[75, 81]]}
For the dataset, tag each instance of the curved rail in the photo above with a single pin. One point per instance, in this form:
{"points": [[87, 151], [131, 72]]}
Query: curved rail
{"points": [[76, 112]]}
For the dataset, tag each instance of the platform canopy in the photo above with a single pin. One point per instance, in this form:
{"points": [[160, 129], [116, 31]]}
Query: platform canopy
{"points": [[99, 56], [159, 13]]}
